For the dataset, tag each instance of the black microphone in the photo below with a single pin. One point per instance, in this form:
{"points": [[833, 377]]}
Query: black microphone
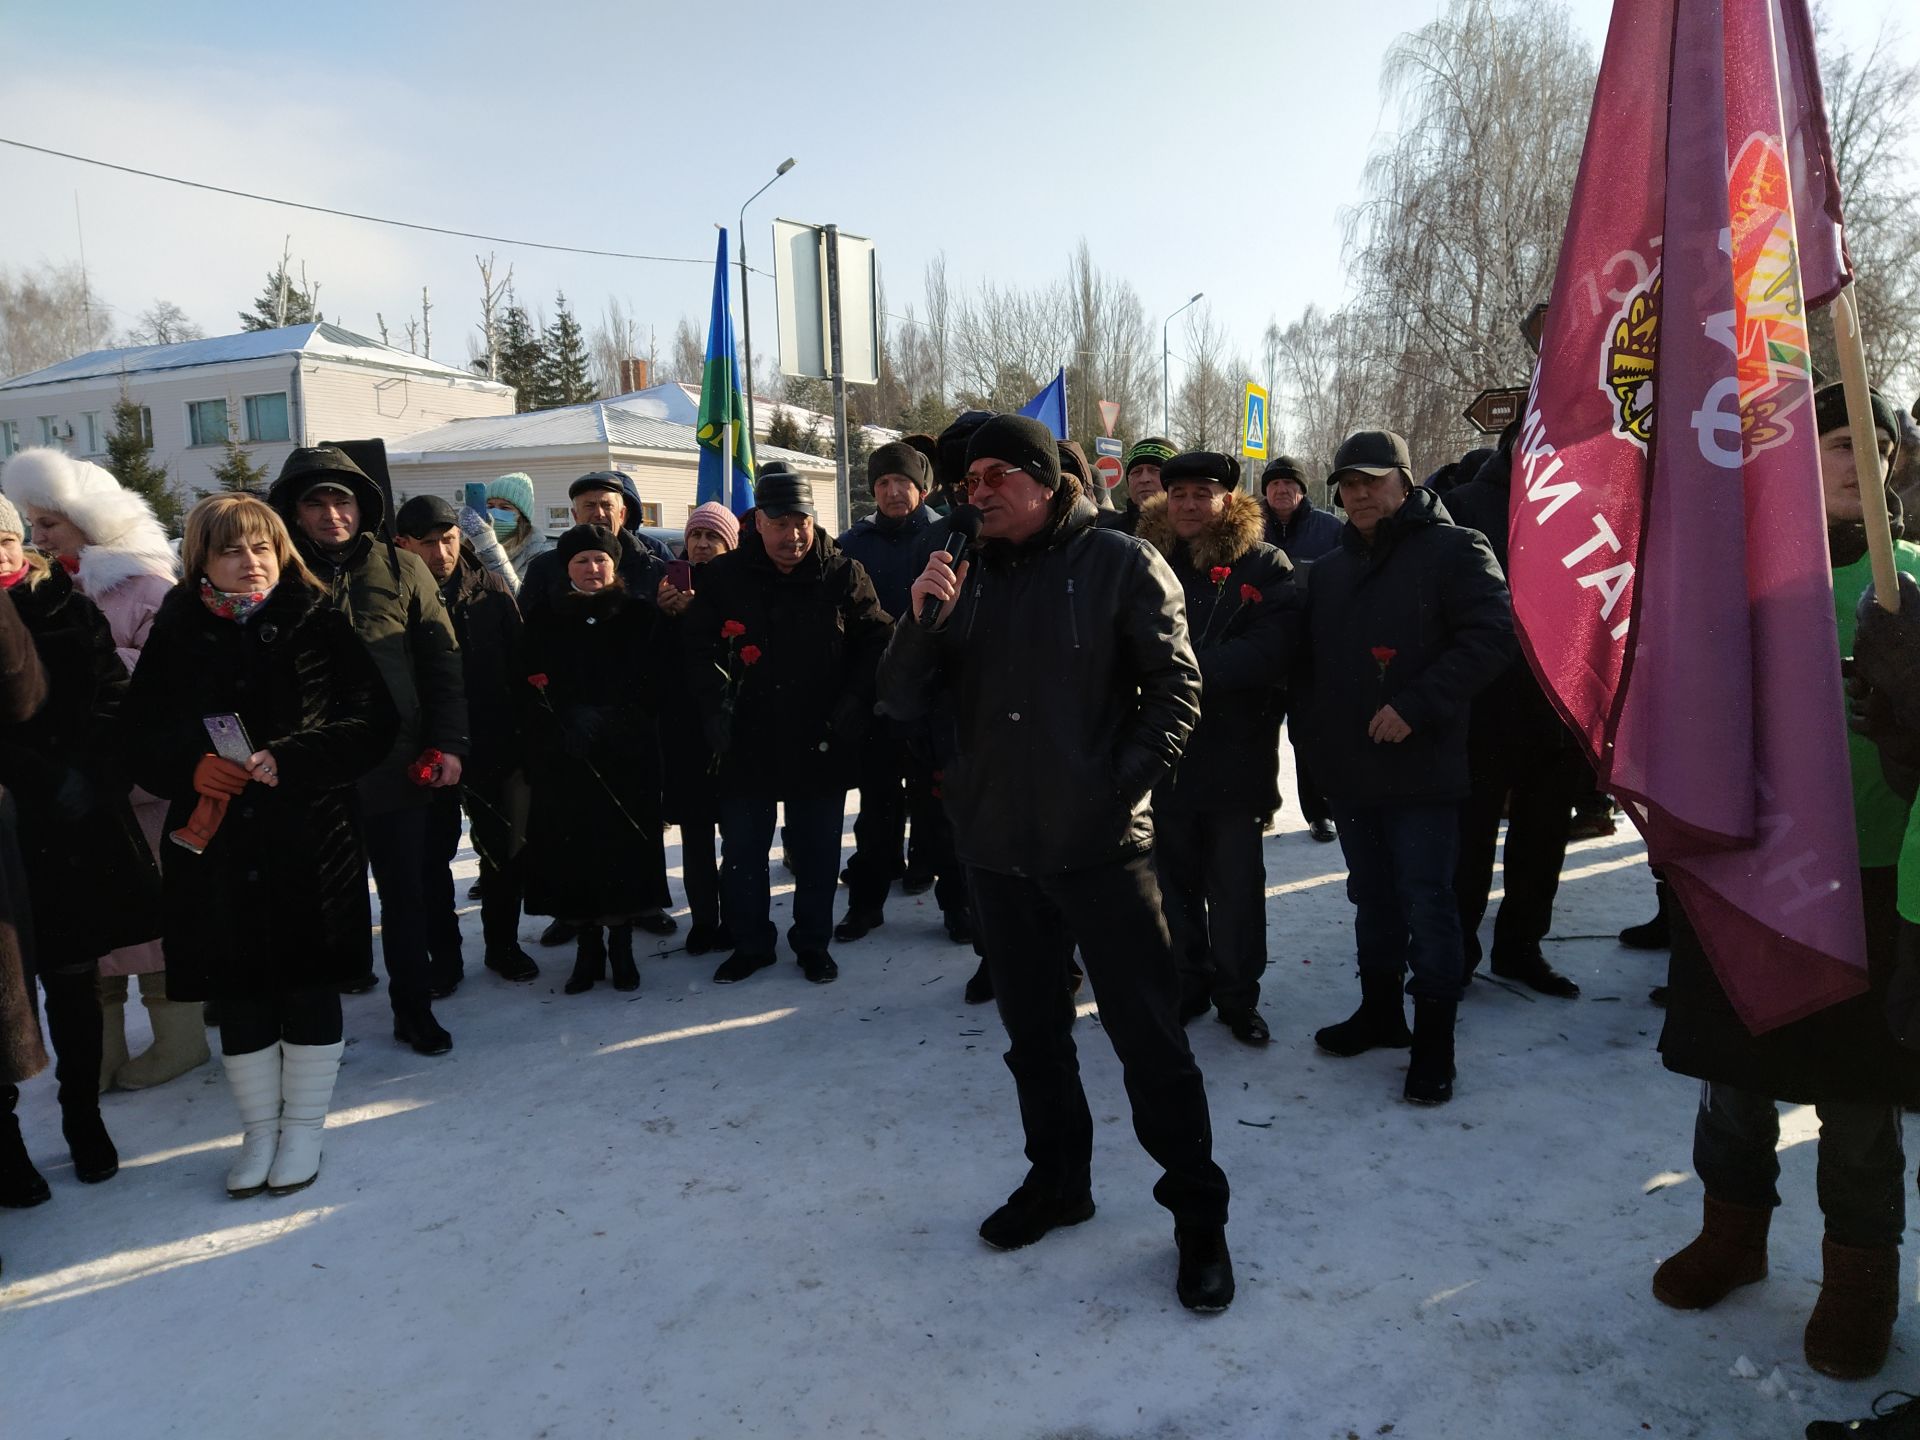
{"points": [[965, 529]]}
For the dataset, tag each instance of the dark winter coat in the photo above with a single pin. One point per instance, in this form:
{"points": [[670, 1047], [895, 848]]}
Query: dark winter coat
{"points": [[89, 872], [1073, 689], [1126, 521], [1305, 535], [689, 791], [1845, 1052], [279, 900], [1429, 597], [390, 598], [594, 849], [486, 621], [1513, 710], [545, 580], [1244, 646], [893, 553], [800, 713], [23, 690]]}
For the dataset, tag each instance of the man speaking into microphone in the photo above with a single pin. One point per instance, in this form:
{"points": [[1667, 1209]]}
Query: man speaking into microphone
{"points": [[1063, 650]]}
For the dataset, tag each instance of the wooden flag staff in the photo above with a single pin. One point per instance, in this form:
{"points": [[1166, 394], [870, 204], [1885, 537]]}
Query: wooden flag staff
{"points": [[1866, 449]]}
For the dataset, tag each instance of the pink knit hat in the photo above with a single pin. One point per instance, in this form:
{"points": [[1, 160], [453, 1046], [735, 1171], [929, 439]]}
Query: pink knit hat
{"points": [[715, 516]]}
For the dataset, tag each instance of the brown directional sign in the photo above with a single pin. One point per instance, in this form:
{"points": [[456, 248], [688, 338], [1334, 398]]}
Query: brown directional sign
{"points": [[1493, 410]]}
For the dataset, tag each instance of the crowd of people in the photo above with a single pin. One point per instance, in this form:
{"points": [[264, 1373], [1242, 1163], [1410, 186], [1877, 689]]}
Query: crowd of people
{"points": [[1063, 719]]}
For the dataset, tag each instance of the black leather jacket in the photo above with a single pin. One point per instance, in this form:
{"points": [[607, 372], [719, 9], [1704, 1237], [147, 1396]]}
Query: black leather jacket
{"points": [[1073, 688]]}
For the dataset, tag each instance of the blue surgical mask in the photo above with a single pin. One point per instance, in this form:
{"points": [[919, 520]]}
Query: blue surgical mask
{"points": [[505, 522]]}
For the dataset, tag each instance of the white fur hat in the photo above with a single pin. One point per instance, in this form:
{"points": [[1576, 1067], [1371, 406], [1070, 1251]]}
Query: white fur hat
{"points": [[123, 536]]}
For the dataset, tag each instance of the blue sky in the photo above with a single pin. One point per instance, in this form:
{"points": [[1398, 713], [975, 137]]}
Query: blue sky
{"points": [[1196, 146]]}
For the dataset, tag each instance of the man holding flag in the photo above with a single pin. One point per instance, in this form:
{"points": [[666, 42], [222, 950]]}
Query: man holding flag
{"points": [[1670, 582]]}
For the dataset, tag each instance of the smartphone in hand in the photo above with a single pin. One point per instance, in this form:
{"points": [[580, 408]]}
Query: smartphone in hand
{"points": [[229, 738], [477, 495], [680, 575]]}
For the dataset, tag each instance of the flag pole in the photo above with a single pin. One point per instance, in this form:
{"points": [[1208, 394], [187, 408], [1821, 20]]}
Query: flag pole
{"points": [[1866, 448]]}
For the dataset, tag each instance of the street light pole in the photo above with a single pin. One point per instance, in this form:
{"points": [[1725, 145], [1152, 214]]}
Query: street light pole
{"points": [[746, 307], [1166, 392]]}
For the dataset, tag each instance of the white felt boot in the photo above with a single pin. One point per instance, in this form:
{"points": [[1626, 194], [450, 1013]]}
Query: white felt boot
{"points": [[306, 1090], [255, 1080]]}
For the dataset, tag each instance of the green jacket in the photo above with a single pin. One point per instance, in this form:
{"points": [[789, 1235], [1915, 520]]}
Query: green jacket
{"points": [[390, 597]]}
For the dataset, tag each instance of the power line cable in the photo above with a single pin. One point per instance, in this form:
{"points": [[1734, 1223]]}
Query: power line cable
{"points": [[355, 215]]}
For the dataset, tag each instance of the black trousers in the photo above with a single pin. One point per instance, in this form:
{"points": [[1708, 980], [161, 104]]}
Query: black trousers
{"points": [[1030, 926], [436, 885], [1536, 782], [397, 853], [1213, 883], [300, 1017], [73, 1026], [699, 865], [1313, 802], [896, 787]]}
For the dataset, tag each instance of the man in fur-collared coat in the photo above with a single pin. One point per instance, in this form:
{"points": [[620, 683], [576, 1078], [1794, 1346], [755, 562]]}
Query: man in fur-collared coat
{"points": [[1210, 810]]}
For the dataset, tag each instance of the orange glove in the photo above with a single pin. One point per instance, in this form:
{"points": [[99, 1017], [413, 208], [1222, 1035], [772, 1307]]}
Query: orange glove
{"points": [[219, 779]]}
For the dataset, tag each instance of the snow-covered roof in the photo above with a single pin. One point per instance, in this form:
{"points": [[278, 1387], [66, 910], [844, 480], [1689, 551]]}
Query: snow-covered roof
{"points": [[320, 341], [680, 402], [628, 422]]}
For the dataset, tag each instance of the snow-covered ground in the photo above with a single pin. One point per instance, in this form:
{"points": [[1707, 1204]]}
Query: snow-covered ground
{"points": [[750, 1210]]}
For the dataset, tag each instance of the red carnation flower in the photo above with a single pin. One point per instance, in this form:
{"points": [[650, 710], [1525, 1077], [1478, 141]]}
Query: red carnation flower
{"points": [[1383, 657], [1219, 574], [1250, 596], [749, 654], [539, 682], [732, 629]]}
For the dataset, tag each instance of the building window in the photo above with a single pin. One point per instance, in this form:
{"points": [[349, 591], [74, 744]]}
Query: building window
{"points": [[9, 437], [206, 422], [49, 429], [559, 517], [96, 433], [649, 514], [146, 425], [267, 417]]}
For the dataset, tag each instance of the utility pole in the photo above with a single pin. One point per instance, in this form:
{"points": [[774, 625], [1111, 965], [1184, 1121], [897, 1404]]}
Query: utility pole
{"points": [[841, 486]]}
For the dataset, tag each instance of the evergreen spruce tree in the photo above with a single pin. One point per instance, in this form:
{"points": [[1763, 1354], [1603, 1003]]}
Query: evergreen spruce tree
{"points": [[300, 303], [565, 371], [237, 473], [130, 458], [517, 356]]}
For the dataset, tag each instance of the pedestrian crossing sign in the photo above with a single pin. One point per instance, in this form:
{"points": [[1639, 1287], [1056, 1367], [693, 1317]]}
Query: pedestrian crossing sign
{"points": [[1253, 426]]}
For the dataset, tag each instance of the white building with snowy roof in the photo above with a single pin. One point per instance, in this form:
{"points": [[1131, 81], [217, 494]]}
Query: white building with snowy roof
{"points": [[270, 389]]}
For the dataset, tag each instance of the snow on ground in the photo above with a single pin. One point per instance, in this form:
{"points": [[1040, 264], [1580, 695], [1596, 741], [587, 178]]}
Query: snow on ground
{"points": [[709, 1211]]}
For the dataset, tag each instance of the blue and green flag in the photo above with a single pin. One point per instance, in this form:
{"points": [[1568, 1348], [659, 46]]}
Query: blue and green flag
{"points": [[722, 403]]}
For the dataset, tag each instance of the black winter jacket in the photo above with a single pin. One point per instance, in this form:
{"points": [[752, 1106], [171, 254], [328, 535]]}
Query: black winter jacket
{"points": [[800, 712], [487, 622], [1513, 710], [89, 873], [1420, 620], [279, 900], [893, 553], [1073, 687], [594, 849], [1244, 646]]}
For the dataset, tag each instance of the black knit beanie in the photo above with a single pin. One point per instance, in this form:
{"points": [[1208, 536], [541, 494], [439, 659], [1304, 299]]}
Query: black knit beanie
{"points": [[897, 457], [1021, 442], [1284, 467], [588, 537], [1830, 411]]}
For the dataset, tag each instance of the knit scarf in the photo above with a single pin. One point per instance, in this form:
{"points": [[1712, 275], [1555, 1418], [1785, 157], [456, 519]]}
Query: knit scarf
{"points": [[228, 605], [7, 582]]}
